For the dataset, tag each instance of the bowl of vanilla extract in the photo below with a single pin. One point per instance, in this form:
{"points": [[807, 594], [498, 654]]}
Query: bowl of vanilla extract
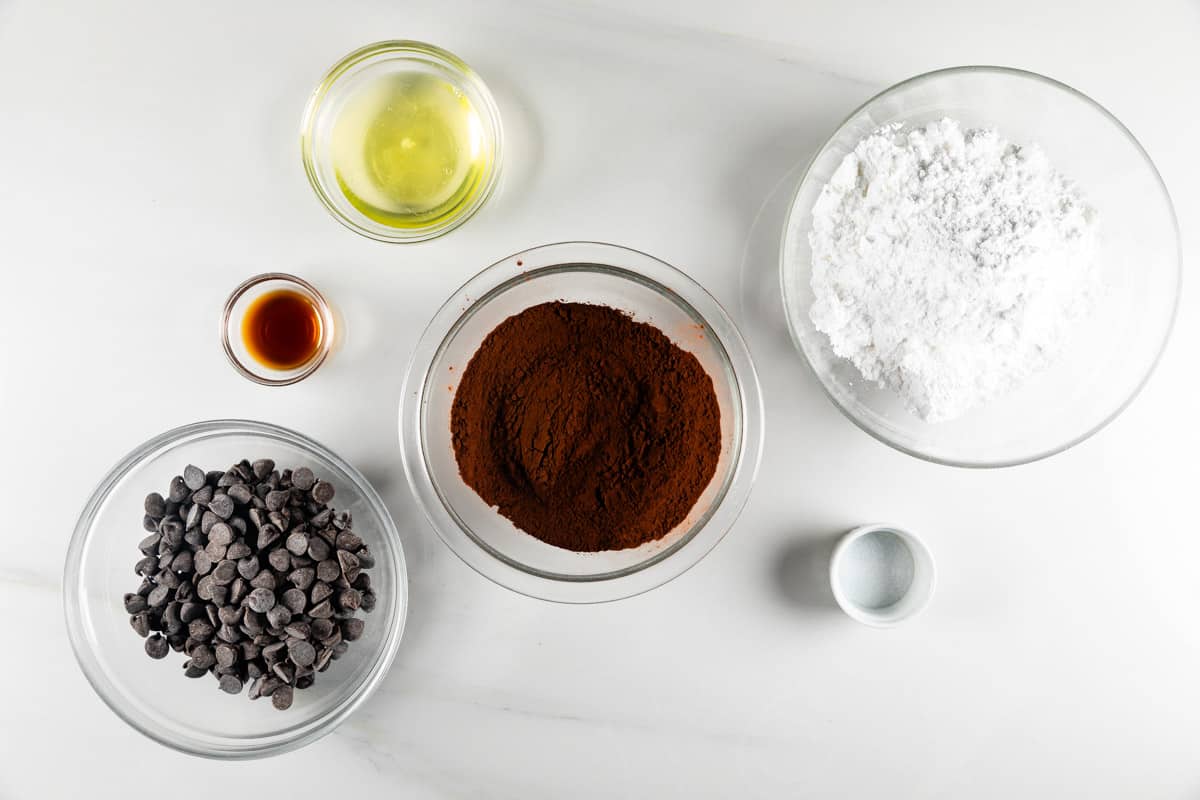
{"points": [[401, 141], [276, 329]]}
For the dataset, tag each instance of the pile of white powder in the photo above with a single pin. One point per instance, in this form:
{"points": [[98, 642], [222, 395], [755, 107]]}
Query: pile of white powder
{"points": [[949, 264]]}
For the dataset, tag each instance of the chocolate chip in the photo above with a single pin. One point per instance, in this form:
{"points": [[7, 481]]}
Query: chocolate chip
{"points": [[302, 578], [318, 549], [322, 492], [349, 563], [221, 505], [224, 573], [328, 570], [281, 698], [158, 596], [276, 500], [252, 623], [280, 559], [322, 628], [179, 490], [303, 478], [294, 600], [352, 629], [157, 647], [156, 507], [238, 551], [279, 616], [267, 534], [184, 562], [231, 684], [248, 568], [261, 600], [240, 493], [265, 579], [220, 533], [348, 540], [239, 589], [226, 654], [297, 544], [140, 622], [193, 477], [349, 600], [301, 653], [203, 496], [149, 545], [284, 671], [201, 630], [298, 630], [320, 591]]}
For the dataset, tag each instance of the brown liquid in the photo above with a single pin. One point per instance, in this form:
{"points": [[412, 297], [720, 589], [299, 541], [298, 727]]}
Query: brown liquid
{"points": [[282, 329]]}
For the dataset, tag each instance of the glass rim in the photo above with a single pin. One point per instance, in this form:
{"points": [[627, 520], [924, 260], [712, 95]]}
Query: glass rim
{"points": [[789, 312], [382, 50], [262, 375], [231, 748], [745, 453]]}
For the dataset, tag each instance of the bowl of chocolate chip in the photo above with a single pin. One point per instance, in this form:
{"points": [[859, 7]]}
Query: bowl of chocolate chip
{"points": [[581, 422], [234, 589]]}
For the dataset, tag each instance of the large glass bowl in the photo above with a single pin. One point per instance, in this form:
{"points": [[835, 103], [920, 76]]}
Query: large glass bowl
{"points": [[586, 272], [194, 716], [1110, 356]]}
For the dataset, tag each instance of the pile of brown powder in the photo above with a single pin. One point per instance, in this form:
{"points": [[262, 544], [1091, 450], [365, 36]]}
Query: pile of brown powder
{"points": [[588, 430]]}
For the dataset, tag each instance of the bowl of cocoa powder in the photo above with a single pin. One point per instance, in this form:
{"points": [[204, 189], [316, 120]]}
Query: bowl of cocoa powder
{"points": [[581, 422]]}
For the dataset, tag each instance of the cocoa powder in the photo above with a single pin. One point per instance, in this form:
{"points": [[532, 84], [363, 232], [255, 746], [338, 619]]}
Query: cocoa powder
{"points": [[585, 428]]}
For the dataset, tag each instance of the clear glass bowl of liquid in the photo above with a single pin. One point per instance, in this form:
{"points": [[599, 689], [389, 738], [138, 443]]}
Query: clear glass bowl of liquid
{"points": [[401, 141]]}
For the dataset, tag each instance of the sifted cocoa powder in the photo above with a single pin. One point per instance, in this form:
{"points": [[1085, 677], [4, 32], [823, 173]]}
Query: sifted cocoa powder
{"points": [[588, 430]]}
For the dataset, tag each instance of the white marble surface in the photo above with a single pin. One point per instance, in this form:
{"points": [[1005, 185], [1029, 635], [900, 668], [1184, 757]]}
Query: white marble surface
{"points": [[149, 149]]}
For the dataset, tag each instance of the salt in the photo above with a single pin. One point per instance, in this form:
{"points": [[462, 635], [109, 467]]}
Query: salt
{"points": [[876, 570]]}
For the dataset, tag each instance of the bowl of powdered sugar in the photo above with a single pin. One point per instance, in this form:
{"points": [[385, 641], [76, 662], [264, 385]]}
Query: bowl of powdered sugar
{"points": [[981, 266]]}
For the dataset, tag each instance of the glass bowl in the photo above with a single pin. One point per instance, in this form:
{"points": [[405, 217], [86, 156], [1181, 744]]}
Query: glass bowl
{"points": [[587, 272], [234, 314], [1112, 353], [194, 716], [342, 82]]}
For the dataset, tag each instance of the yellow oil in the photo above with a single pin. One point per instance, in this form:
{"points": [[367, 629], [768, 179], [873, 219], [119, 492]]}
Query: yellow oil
{"points": [[408, 150]]}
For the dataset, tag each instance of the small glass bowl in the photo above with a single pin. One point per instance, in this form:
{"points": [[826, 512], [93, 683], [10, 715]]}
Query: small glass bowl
{"points": [[154, 697], [585, 272], [1112, 353], [234, 313], [330, 97]]}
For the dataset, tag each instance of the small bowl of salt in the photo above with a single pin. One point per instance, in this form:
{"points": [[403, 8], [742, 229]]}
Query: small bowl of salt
{"points": [[881, 575]]}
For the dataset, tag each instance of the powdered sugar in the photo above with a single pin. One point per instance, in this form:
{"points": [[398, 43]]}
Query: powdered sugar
{"points": [[949, 264]]}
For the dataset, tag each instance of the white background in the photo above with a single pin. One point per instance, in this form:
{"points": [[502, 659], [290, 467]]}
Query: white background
{"points": [[149, 162]]}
